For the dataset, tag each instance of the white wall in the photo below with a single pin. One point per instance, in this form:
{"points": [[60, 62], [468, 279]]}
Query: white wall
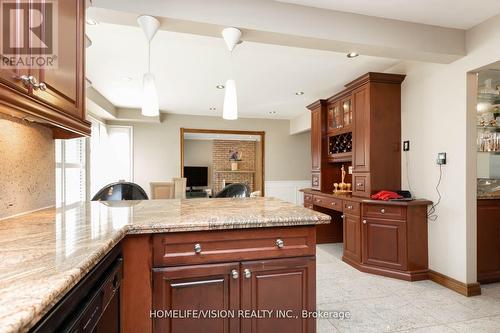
{"points": [[157, 147], [438, 115]]}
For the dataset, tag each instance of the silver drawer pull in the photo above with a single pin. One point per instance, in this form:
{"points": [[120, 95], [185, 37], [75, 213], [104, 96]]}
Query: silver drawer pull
{"points": [[247, 273], [280, 243], [349, 207], [234, 274], [334, 204], [359, 184], [382, 211], [364, 221], [318, 200], [197, 248]]}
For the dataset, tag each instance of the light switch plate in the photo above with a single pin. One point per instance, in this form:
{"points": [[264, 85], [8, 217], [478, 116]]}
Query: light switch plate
{"points": [[441, 159], [406, 145]]}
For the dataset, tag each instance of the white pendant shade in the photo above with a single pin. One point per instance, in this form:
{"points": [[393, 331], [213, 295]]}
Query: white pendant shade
{"points": [[231, 37], [150, 107], [149, 25], [230, 111]]}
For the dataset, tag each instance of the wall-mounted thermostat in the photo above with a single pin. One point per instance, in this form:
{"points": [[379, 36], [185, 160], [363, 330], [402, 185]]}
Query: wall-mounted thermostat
{"points": [[441, 158]]}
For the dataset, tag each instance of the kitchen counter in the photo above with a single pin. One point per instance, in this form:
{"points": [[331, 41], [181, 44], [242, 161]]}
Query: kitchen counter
{"points": [[488, 189], [46, 253]]}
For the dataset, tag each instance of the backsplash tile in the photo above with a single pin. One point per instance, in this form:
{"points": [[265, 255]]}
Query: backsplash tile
{"points": [[27, 166]]}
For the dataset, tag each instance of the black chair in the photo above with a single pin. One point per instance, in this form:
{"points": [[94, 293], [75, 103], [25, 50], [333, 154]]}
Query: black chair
{"points": [[120, 191], [236, 190]]}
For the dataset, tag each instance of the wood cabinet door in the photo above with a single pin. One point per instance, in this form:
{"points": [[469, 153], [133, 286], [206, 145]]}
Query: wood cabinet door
{"points": [[65, 84], [361, 135], [279, 284], [198, 288], [488, 241], [352, 237], [384, 243], [9, 76], [316, 139]]}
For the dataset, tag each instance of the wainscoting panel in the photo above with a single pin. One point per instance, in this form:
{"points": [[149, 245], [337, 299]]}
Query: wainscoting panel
{"points": [[287, 190]]}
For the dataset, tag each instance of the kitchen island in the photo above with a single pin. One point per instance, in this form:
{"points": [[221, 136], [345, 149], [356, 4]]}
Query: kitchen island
{"points": [[175, 243]]}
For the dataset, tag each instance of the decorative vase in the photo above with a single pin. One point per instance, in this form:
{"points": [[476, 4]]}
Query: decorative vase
{"points": [[234, 165]]}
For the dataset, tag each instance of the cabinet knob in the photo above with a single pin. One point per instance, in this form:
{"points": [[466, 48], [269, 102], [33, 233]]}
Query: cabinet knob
{"points": [[334, 204], [359, 184], [364, 221], [247, 273], [382, 211], [280, 243], [342, 216], [318, 200], [349, 207], [197, 248], [234, 274]]}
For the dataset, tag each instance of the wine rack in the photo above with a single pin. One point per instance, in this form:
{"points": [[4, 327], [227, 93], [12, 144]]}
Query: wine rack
{"points": [[340, 144]]}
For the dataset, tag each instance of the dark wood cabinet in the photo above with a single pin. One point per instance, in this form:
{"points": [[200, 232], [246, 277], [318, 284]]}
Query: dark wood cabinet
{"points": [[352, 237], [230, 270], [361, 137], [316, 135], [197, 288], [52, 97], [488, 240], [362, 128], [65, 85], [384, 243], [279, 285]]}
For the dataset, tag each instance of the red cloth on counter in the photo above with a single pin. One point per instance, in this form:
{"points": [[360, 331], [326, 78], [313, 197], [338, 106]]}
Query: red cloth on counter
{"points": [[386, 196]]}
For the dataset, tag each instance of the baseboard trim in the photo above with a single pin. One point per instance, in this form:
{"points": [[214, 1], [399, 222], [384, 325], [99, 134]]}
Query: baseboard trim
{"points": [[392, 273], [466, 289]]}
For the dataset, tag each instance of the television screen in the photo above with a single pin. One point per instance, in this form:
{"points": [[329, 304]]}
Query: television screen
{"points": [[196, 176]]}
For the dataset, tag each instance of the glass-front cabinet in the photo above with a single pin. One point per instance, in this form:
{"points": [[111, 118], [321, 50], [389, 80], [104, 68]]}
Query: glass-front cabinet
{"points": [[339, 117]]}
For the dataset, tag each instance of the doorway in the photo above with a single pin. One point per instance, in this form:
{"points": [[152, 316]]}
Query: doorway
{"points": [[213, 159]]}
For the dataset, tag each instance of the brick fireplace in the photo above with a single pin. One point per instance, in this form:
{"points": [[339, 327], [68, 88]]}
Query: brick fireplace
{"points": [[221, 165]]}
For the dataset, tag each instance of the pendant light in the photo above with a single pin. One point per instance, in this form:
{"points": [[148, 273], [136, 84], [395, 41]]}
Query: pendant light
{"points": [[150, 103], [230, 111]]}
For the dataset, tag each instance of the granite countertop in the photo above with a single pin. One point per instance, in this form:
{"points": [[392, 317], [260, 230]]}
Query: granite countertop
{"points": [[488, 189], [46, 253]]}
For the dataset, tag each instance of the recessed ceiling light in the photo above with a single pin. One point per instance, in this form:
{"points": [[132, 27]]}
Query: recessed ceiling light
{"points": [[352, 54], [219, 86], [299, 93], [91, 21], [213, 109], [272, 112]]}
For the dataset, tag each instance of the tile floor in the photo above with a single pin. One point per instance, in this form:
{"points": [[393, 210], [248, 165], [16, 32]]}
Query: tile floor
{"points": [[379, 304]]}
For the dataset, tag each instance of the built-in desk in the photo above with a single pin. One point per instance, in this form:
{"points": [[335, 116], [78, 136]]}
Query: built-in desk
{"points": [[381, 237]]}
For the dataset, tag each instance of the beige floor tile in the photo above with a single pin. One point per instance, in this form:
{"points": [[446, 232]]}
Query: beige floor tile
{"points": [[430, 329], [483, 325], [324, 326]]}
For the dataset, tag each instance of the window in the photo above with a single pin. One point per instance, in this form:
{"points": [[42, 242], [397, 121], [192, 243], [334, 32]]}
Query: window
{"points": [[70, 171], [111, 154]]}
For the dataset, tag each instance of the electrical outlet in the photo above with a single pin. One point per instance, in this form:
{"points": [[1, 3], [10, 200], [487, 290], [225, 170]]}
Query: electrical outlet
{"points": [[406, 145], [441, 159]]}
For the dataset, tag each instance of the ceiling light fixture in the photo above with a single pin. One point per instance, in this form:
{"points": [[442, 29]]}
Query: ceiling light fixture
{"points": [[150, 103], [352, 54], [220, 86], [299, 93], [230, 110]]}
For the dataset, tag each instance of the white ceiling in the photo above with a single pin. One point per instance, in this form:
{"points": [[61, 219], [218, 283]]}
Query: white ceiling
{"points": [[188, 67], [461, 14]]}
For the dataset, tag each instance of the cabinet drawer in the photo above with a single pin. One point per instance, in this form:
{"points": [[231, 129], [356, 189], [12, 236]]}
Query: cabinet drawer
{"points": [[232, 245], [308, 198], [361, 184], [331, 203], [384, 211], [352, 208]]}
